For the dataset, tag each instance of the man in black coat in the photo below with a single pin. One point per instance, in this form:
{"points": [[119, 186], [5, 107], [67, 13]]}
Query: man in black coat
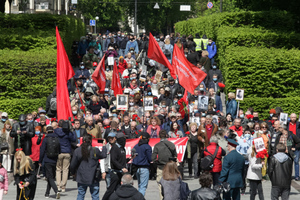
{"points": [[126, 191], [51, 104], [78, 132], [280, 172], [193, 57], [174, 87], [24, 131]]}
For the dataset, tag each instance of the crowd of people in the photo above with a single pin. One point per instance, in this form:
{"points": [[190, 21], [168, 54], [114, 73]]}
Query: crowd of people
{"points": [[220, 152]]}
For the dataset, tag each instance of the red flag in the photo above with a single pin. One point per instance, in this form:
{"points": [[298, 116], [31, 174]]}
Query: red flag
{"points": [[189, 76], [155, 53], [64, 71], [183, 103], [116, 83], [99, 76]]}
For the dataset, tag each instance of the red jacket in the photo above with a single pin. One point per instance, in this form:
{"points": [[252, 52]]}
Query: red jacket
{"points": [[35, 149], [218, 160], [239, 131], [122, 66]]}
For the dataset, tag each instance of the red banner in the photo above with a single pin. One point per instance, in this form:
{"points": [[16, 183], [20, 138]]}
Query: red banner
{"points": [[180, 144]]}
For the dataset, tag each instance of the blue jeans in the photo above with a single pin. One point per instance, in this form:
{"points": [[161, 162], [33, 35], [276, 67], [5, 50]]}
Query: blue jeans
{"points": [[107, 179], [122, 52], [142, 175], [94, 190], [296, 160]]}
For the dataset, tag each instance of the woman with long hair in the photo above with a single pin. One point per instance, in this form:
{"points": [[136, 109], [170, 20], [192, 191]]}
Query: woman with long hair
{"points": [[85, 163], [175, 132], [254, 174], [5, 138], [170, 182], [24, 175], [265, 134], [153, 128]]}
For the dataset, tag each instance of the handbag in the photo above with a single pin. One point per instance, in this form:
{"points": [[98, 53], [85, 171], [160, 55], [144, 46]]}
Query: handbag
{"points": [[4, 146]]}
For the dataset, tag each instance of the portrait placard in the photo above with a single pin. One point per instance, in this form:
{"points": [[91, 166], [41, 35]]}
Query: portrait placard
{"points": [[122, 102], [148, 103], [239, 94], [259, 144]]}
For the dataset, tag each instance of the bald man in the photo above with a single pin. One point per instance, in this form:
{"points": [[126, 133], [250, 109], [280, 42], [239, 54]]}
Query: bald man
{"points": [[92, 128], [293, 126]]}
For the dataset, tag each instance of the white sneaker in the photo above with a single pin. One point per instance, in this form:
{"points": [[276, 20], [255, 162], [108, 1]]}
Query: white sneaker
{"points": [[58, 195]]}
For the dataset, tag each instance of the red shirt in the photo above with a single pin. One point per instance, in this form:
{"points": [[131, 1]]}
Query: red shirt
{"points": [[292, 128], [239, 130]]}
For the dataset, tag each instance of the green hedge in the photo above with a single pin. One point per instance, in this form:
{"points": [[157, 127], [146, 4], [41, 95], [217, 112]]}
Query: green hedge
{"points": [[28, 31], [262, 72], [27, 74], [15, 107], [263, 105], [256, 37], [209, 25]]}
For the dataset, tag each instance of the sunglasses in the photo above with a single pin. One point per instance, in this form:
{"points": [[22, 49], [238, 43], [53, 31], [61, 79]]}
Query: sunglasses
{"points": [[264, 127]]}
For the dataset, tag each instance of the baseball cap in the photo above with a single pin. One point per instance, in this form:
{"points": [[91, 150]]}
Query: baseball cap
{"points": [[111, 134], [42, 111], [4, 114]]}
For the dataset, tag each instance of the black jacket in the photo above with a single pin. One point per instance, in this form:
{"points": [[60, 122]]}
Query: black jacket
{"points": [[43, 150], [82, 133], [193, 58], [86, 169], [292, 142], [280, 170], [126, 192], [204, 194], [30, 177], [25, 139], [123, 43], [50, 113], [117, 157]]}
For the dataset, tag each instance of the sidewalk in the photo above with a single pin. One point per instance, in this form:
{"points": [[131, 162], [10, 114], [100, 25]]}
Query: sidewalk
{"points": [[151, 193]]}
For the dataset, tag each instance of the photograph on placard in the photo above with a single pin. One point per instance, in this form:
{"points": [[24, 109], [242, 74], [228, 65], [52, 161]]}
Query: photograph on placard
{"points": [[239, 94], [283, 118], [148, 103], [122, 102], [259, 144], [195, 120], [202, 102]]}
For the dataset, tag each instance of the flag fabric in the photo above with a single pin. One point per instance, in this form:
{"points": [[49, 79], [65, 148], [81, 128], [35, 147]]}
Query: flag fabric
{"points": [[183, 104], [116, 83], [99, 76], [64, 71], [155, 53], [189, 76]]}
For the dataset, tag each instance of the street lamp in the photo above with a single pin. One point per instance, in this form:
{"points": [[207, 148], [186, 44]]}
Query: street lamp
{"points": [[156, 6], [97, 18]]}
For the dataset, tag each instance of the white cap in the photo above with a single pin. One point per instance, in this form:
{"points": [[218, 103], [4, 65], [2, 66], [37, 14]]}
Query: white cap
{"points": [[4, 114]]}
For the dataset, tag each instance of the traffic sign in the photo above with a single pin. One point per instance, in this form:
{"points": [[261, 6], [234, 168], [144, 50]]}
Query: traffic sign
{"points": [[210, 5], [92, 22]]}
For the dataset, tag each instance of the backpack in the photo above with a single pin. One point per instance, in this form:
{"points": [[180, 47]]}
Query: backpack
{"points": [[184, 190], [53, 147], [66, 126], [207, 163], [53, 103], [167, 53]]}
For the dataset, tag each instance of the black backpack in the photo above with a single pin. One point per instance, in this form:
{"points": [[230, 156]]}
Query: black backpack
{"points": [[52, 147], [167, 53], [207, 163], [66, 126]]}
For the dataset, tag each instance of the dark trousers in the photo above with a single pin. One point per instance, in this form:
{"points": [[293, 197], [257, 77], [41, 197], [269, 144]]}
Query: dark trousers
{"points": [[193, 161], [278, 191], [256, 187], [233, 194], [215, 176], [115, 181], [29, 192], [50, 174], [244, 178]]}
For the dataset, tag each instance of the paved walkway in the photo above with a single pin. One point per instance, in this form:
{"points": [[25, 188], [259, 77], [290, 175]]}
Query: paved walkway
{"points": [[151, 194]]}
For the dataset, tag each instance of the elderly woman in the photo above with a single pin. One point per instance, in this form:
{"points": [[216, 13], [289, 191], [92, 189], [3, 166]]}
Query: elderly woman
{"points": [[154, 127], [5, 138], [168, 50], [95, 105], [231, 105], [193, 148], [205, 61]]}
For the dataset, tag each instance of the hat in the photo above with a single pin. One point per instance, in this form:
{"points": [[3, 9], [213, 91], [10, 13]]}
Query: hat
{"points": [[82, 63], [172, 115], [111, 134], [145, 135], [4, 114], [167, 89], [272, 111], [171, 79], [105, 115], [42, 111], [232, 142], [49, 129], [95, 64], [121, 57]]}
